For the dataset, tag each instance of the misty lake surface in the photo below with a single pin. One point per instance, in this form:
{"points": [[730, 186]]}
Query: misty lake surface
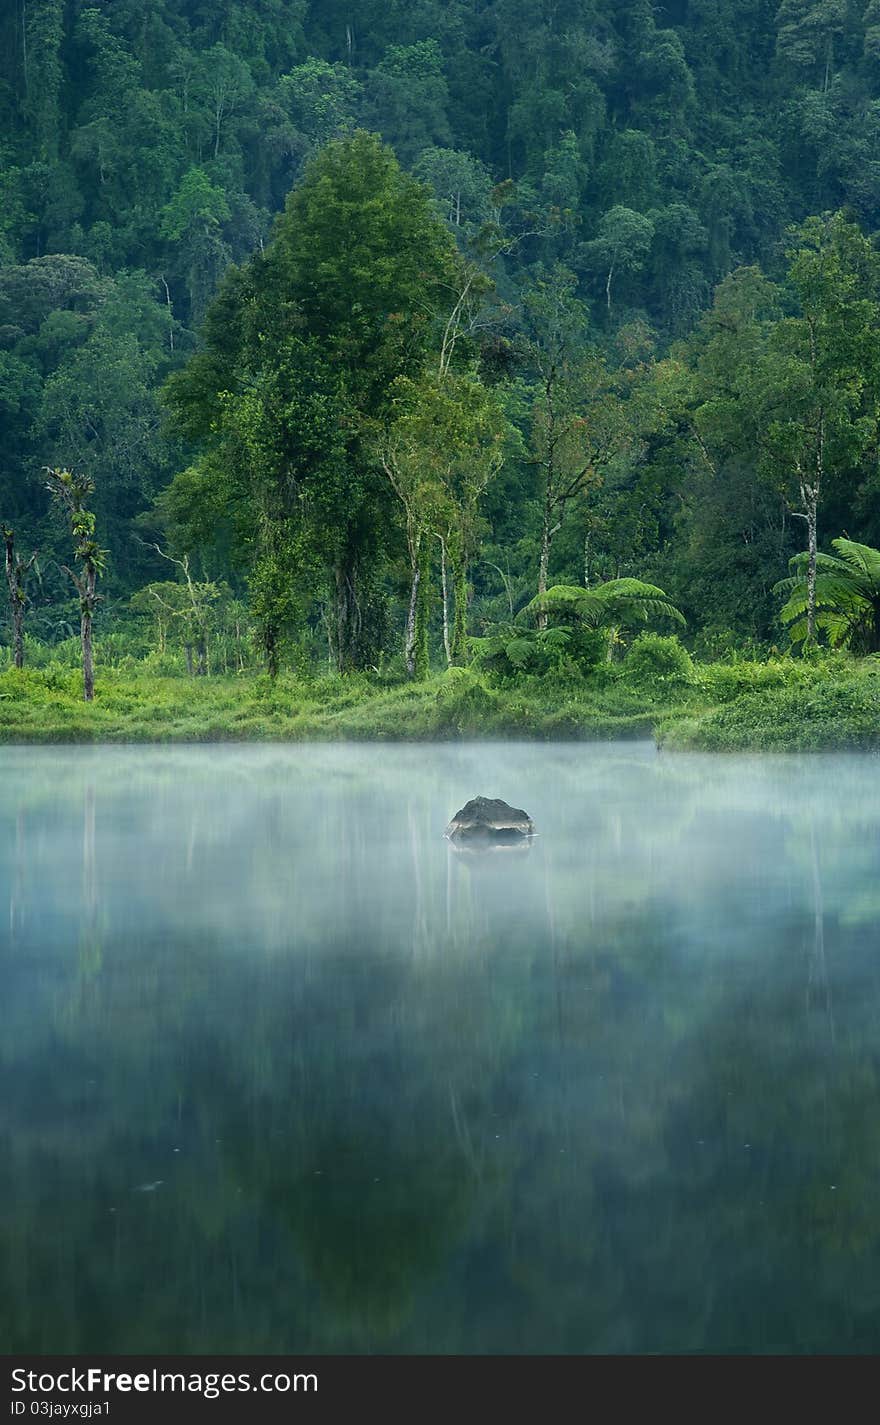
{"points": [[282, 1071]]}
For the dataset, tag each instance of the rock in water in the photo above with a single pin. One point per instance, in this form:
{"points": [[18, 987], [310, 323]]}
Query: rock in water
{"points": [[487, 819]]}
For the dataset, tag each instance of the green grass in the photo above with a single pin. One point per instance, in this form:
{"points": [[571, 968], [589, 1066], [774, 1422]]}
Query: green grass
{"points": [[784, 704], [45, 705], [787, 707]]}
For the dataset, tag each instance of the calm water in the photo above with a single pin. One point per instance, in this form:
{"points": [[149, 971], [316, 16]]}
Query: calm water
{"points": [[281, 1071]]}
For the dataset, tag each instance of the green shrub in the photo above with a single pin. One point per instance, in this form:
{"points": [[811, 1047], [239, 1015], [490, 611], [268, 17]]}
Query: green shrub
{"points": [[801, 713], [723, 645], [658, 661], [37, 686], [464, 702], [725, 682], [511, 652]]}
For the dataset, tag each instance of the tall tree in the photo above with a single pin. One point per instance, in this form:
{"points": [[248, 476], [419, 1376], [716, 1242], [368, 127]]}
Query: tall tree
{"points": [[822, 383], [577, 422], [295, 373], [620, 246], [439, 453], [72, 492], [42, 36], [17, 570]]}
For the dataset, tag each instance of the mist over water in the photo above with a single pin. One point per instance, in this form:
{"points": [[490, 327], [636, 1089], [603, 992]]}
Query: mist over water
{"points": [[282, 1071]]}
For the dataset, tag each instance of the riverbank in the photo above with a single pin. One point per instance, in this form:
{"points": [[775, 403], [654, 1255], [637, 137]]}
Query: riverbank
{"points": [[781, 705]]}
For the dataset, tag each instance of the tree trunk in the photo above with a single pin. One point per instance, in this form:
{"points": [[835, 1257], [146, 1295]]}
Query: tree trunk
{"points": [[87, 656], [88, 602], [810, 491], [24, 48], [170, 314], [341, 642], [421, 658], [16, 600], [271, 642], [812, 545], [202, 653], [546, 540], [348, 615], [409, 649], [445, 590], [18, 634], [188, 652], [459, 627]]}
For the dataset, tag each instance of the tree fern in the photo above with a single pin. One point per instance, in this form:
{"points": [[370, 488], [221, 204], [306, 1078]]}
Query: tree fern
{"points": [[620, 601], [847, 597]]}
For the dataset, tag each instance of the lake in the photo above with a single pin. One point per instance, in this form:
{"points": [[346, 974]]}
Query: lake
{"points": [[282, 1071]]}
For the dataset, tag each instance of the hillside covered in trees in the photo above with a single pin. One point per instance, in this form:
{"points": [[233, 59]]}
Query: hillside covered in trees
{"points": [[399, 334]]}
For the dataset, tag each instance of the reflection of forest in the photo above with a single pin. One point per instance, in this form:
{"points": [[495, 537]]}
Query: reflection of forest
{"points": [[618, 1094]]}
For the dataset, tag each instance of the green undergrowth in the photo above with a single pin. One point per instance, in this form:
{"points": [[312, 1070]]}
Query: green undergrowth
{"points": [[781, 704], [786, 707], [45, 705]]}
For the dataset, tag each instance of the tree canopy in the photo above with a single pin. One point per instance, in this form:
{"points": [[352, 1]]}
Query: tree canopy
{"points": [[644, 236]]}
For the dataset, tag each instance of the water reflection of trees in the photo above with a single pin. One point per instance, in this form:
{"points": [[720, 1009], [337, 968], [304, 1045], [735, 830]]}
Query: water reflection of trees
{"points": [[592, 1105]]}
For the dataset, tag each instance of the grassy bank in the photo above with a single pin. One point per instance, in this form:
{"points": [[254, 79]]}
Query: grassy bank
{"points": [[786, 707], [784, 704], [45, 706]]}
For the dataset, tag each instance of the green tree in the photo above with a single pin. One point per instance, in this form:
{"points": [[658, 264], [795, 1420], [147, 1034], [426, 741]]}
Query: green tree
{"points": [[17, 570], [42, 36], [439, 452], [577, 422], [730, 533], [846, 597], [822, 383], [620, 246], [806, 33], [188, 606], [222, 85], [462, 186], [71, 492], [407, 97], [193, 221], [302, 351], [312, 104], [618, 602]]}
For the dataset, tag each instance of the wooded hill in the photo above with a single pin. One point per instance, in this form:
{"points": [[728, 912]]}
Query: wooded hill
{"points": [[619, 179]]}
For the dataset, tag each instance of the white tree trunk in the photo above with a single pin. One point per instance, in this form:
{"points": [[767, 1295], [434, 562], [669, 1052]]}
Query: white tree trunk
{"points": [[445, 591], [410, 643]]}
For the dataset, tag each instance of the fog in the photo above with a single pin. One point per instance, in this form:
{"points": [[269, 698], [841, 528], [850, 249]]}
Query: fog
{"points": [[284, 1070]]}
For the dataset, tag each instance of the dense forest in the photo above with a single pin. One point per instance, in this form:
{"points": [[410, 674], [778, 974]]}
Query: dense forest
{"points": [[363, 326]]}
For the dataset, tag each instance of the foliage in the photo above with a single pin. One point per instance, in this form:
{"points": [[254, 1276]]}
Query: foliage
{"points": [[508, 652], [599, 198], [826, 709], [303, 349], [619, 602], [655, 661], [442, 447], [847, 597], [71, 492], [783, 704]]}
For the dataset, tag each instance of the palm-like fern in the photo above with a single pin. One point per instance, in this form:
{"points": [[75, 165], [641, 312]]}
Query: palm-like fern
{"points": [[847, 597], [619, 602]]}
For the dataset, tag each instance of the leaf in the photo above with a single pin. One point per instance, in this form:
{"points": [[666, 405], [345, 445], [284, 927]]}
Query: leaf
{"points": [[614, 602], [519, 650]]}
